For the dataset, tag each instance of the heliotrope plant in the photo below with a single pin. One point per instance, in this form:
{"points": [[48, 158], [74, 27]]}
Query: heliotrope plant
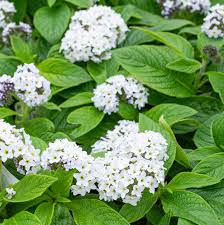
{"points": [[111, 112]]}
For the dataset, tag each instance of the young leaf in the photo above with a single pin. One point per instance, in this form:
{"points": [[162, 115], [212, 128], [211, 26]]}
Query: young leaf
{"points": [[187, 180], [78, 100], [212, 165], [135, 213], [184, 65], [92, 211], [45, 212], [62, 73], [52, 22], [148, 65], [22, 218], [172, 113], [87, 118], [189, 206], [31, 187]]}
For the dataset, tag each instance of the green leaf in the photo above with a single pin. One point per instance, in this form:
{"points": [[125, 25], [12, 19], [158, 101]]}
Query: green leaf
{"points": [[51, 2], [38, 143], [21, 49], [148, 65], [97, 71], [174, 41], [187, 180], [212, 165], [51, 106], [22, 218], [62, 216], [184, 65], [203, 136], [78, 100], [81, 3], [127, 111], [189, 206], [182, 221], [92, 211], [172, 113], [5, 112], [165, 220], [45, 212], [31, 187], [8, 66], [21, 7], [217, 81], [52, 22], [218, 130], [145, 123], [135, 213], [203, 152], [87, 118], [62, 73]]}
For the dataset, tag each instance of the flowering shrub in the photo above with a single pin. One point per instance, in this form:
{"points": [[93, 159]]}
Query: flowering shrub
{"points": [[111, 112]]}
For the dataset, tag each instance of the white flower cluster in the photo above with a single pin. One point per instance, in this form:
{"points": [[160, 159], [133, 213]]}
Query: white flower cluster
{"points": [[92, 34], [71, 157], [213, 24], [30, 86], [6, 88], [7, 9], [13, 28], [132, 163], [106, 95], [171, 6], [10, 193], [15, 144]]}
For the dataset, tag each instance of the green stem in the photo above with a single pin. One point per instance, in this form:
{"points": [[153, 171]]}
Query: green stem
{"points": [[200, 75], [23, 111]]}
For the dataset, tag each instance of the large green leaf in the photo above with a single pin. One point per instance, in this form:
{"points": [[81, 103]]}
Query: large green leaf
{"points": [[148, 65], [92, 211], [172, 113], [23, 218], [52, 22], [81, 3], [212, 165], [182, 221], [135, 213], [87, 118], [45, 212], [62, 73], [31, 187], [189, 206], [145, 123], [186, 180], [174, 41]]}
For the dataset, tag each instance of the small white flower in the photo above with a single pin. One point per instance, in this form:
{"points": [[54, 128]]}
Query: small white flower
{"points": [[213, 24], [10, 193], [106, 95], [7, 9], [30, 86], [6, 89], [92, 34]]}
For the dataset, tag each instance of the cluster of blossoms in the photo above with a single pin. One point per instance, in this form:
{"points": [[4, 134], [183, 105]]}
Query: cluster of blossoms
{"points": [[106, 95], [171, 6], [71, 157], [16, 145], [13, 28], [213, 24], [92, 34], [7, 9], [10, 193], [30, 86], [132, 163], [6, 88]]}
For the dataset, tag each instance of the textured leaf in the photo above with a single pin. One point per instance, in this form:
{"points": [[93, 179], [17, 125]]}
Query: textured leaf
{"points": [[87, 118], [52, 22], [62, 73], [45, 212], [81, 3], [189, 206], [5, 112], [172, 113], [218, 130], [92, 211], [212, 166], [148, 65]]}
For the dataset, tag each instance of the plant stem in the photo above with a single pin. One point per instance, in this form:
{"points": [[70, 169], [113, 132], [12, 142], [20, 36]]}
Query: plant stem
{"points": [[199, 76]]}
